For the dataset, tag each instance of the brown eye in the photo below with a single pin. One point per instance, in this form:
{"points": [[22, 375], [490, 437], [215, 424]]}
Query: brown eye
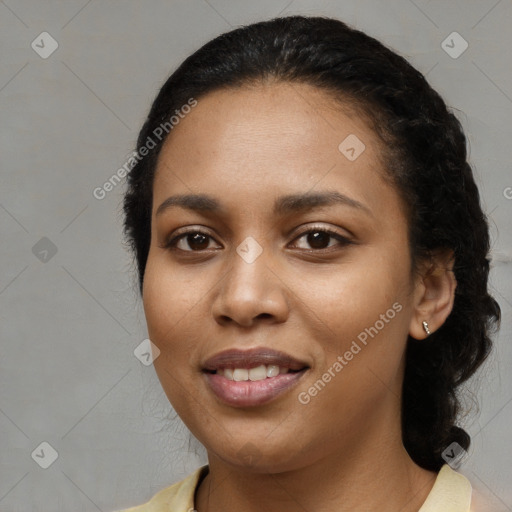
{"points": [[319, 238], [195, 241]]}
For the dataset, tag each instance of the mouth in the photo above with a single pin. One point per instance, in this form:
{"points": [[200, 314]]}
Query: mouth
{"points": [[252, 377]]}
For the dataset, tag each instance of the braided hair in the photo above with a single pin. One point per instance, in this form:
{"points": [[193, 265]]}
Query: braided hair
{"points": [[424, 148]]}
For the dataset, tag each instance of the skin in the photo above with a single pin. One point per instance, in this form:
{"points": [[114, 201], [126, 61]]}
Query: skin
{"points": [[342, 450]]}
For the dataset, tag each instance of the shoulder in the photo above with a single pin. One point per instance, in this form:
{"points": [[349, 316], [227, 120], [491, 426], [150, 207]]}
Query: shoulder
{"points": [[179, 496], [451, 493]]}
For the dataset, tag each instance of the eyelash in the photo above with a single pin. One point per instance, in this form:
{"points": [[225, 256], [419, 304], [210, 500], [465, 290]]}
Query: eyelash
{"points": [[171, 244]]}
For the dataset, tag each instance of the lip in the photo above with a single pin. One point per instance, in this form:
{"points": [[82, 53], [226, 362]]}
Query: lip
{"points": [[251, 358], [252, 393], [249, 393]]}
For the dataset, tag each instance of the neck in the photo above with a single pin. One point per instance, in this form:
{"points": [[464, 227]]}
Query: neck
{"points": [[375, 473]]}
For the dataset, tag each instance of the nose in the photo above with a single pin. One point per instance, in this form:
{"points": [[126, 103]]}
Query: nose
{"points": [[250, 292]]}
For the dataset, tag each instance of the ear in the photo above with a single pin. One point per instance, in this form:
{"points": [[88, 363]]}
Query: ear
{"points": [[434, 293]]}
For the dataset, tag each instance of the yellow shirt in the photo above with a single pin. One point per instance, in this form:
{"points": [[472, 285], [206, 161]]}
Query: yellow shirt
{"points": [[451, 493]]}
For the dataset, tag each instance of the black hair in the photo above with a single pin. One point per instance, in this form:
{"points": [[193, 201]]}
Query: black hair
{"points": [[424, 147]]}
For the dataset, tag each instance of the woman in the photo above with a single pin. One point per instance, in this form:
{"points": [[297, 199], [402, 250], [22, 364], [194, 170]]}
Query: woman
{"points": [[313, 263]]}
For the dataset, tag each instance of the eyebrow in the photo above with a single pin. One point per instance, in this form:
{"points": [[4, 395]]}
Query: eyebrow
{"points": [[292, 203]]}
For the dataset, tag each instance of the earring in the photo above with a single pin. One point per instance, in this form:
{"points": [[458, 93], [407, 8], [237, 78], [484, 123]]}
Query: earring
{"points": [[427, 330]]}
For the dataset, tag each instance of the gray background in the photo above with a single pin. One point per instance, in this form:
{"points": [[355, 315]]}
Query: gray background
{"points": [[70, 321]]}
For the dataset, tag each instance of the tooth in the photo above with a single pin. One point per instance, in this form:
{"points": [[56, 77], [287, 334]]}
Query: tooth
{"points": [[240, 374], [272, 370], [228, 373], [258, 373], [283, 370]]}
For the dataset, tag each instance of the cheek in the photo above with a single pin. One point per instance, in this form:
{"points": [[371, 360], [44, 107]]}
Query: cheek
{"points": [[364, 318], [352, 296], [169, 300], [169, 297]]}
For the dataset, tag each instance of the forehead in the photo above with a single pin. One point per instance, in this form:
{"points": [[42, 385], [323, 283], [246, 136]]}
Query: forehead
{"points": [[252, 141], [285, 115]]}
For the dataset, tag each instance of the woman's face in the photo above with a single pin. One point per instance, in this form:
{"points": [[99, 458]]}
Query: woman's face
{"points": [[295, 274]]}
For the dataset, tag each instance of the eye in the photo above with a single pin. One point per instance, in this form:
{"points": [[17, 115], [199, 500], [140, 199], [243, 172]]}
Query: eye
{"points": [[195, 240], [319, 237]]}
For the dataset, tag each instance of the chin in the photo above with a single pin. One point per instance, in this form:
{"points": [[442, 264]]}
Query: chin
{"points": [[257, 455]]}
